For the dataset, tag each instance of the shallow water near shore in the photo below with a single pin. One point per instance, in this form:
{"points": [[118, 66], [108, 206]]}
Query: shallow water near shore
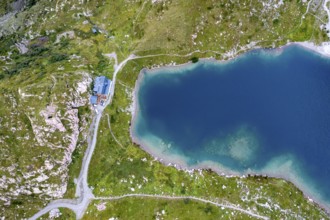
{"points": [[267, 112]]}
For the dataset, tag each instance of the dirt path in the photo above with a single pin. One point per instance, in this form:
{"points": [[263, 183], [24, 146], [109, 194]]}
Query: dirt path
{"points": [[307, 9], [114, 137]]}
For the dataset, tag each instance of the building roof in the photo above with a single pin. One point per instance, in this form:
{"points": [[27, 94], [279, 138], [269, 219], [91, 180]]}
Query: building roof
{"points": [[102, 85]]}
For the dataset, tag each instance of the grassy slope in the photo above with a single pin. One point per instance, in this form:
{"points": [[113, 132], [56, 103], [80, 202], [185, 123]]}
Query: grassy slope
{"points": [[135, 208], [115, 171], [142, 28]]}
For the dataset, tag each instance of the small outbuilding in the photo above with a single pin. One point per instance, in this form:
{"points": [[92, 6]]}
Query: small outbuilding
{"points": [[93, 100]]}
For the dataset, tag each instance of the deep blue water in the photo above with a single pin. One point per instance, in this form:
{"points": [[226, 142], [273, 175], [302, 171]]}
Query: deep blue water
{"points": [[255, 112]]}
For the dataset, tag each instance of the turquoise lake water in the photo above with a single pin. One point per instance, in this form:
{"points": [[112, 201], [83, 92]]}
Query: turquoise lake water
{"points": [[267, 111]]}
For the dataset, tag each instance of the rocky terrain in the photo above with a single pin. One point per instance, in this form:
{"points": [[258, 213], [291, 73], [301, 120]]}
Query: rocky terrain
{"points": [[51, 50], [37, 140]]}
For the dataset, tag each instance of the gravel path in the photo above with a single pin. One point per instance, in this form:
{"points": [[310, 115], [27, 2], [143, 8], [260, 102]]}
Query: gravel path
{"points": [[225, 205], [83, 192]]}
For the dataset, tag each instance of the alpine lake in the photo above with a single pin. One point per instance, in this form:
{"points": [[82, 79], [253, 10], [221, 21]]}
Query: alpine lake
{"points": [[264, 112]]}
